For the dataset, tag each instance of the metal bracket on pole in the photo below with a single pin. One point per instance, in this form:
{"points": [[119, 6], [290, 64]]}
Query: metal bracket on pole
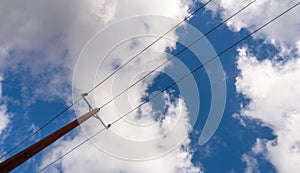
{"points": [[91, 108]]}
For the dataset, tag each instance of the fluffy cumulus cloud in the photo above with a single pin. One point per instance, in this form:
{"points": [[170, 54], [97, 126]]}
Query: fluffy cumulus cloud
{"points": [[259, 13], [272, 85], [273, 90], [43, 39], [4, 116], [89, 157], [251, 163], [52, 33]]}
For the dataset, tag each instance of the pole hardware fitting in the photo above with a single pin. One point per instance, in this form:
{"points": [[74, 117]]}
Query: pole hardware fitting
{"points": [[91, 108]]}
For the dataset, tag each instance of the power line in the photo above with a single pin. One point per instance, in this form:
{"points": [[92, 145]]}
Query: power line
{"points": [[62, 156], [211, 59], [147, 47], [39, 129], [224, 21], [109, 76], [196, 69], [178, 53]]}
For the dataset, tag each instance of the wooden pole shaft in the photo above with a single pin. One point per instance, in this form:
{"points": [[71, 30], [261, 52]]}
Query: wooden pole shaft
{"points": [[29, 152]]}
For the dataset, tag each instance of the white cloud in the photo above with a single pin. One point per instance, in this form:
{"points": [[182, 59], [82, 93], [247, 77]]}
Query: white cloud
{"points": [[251, 163], [274, 91], [271, 86], [90, 158], [259, 13], [4, 115], [4, 118], [240, 118], [43, 40]]}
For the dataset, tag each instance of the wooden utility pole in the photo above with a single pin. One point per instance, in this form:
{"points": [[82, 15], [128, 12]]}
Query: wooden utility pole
{"points": [[27, 153]]}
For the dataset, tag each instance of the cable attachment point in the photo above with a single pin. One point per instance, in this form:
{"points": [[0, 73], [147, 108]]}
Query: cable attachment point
{"points": [[91, 108], [84, 94]]}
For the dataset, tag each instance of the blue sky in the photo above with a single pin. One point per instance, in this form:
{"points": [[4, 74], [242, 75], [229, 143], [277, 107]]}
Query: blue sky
{"points": [[47, 60]]}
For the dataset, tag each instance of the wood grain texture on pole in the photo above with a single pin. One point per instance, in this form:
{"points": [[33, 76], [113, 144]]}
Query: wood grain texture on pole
{"points": [[29, 152]]}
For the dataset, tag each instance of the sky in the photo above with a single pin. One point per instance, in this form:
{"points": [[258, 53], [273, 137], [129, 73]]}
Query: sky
{"points": [[239, 113]]}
